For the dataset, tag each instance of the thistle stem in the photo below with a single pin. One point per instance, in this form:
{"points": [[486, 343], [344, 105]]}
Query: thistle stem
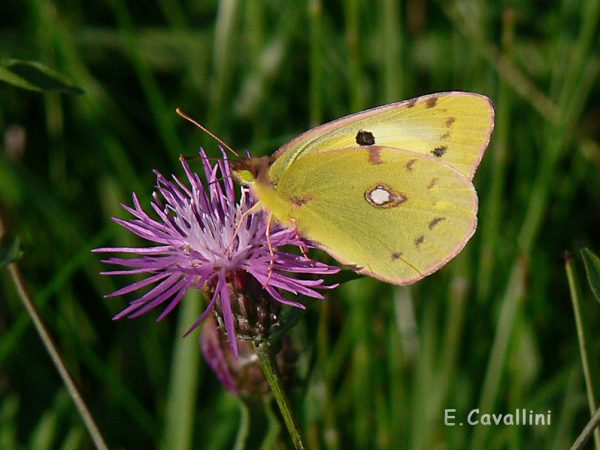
{"points": [[265, 357]]}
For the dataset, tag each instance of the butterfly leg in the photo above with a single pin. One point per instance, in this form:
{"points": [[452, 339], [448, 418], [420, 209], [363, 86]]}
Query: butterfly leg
{"points": [[303, 247], [271, 252], [253, 209]]}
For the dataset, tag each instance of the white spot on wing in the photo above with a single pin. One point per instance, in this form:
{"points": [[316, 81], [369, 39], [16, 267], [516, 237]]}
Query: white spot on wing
{"points": [[383, 196], [380, 196]]}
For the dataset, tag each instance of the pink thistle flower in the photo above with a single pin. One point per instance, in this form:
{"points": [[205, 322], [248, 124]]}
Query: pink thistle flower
{"points": [[201, 246]]}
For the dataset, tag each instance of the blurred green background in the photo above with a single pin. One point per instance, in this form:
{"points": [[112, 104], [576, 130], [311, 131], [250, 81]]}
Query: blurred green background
{"points": [[378, 365]]}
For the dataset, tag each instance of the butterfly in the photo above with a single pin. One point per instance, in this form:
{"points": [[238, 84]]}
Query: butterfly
{"points": [[387, 190]]}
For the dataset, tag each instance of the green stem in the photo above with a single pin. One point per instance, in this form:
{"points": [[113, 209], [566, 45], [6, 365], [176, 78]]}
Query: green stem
{"points": [[585, 435], [265, 357], [242, 437], [256, 416], [184, 379], [52, 349], [583, 334]]}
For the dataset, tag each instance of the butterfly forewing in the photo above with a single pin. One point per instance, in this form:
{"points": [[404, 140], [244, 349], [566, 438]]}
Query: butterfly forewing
{"points": [[453, 127]]}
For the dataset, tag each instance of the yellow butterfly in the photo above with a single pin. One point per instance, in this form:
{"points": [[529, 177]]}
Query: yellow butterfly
{"points": [[387, 190]]}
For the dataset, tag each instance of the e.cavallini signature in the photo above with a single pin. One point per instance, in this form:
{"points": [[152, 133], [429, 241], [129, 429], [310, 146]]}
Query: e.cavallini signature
{"points": [[520, 417]]}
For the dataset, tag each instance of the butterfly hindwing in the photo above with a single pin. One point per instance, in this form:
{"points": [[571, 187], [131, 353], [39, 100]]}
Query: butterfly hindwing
{"points": [[398, 215]]}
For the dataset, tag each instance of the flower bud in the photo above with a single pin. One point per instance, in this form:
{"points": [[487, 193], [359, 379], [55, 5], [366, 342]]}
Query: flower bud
{"points": [[242, 375]]}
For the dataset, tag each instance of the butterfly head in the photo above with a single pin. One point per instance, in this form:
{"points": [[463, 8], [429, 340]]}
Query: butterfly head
{"points": [[252, 169]]}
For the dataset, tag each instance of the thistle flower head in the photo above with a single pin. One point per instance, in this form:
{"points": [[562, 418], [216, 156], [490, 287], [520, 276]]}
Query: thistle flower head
{"points": [[200, 244]]}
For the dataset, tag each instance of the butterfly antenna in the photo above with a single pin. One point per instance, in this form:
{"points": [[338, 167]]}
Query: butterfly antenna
{"points": [[207, 131], [218, 180]]}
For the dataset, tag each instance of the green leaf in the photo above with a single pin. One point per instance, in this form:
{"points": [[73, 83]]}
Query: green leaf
{"points": [[10, 251], [35, 76], [592, 269]]}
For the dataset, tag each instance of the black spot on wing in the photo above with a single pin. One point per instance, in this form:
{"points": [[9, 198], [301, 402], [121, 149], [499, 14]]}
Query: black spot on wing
{"points": [[301, 200], [410, 164], [439, 151], [435, 221], [419, 241], [365, 138]]}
